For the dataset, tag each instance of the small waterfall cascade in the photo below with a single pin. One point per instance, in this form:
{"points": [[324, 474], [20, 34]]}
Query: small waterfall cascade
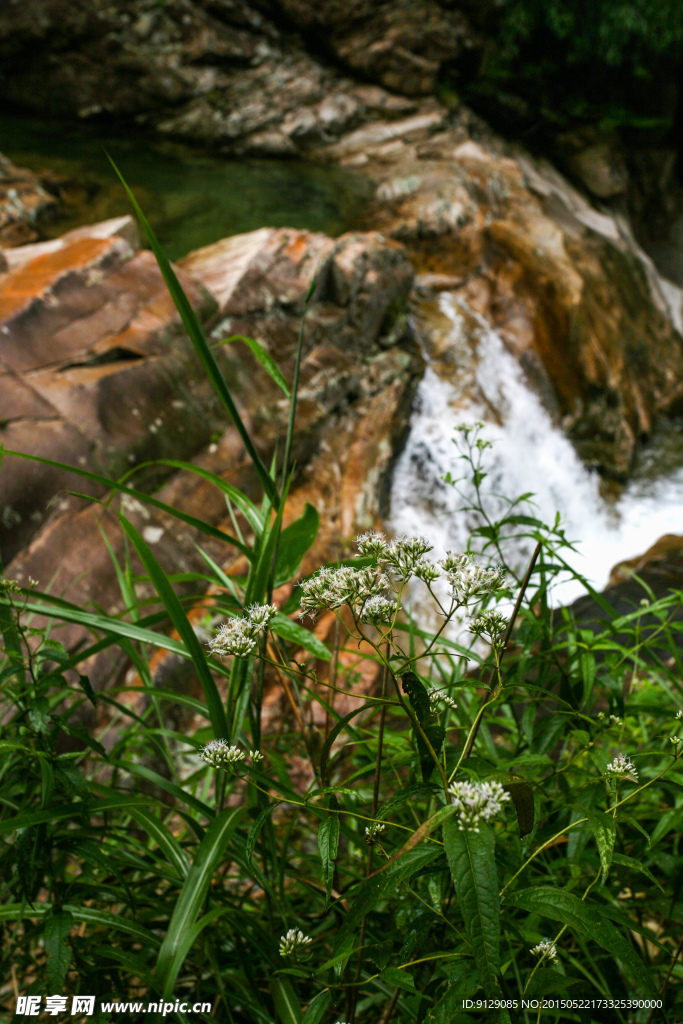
{"points": [[479, 380]]}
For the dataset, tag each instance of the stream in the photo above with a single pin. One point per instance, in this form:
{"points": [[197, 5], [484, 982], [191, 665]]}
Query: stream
{"points": [[194, 197], [528, 455]]}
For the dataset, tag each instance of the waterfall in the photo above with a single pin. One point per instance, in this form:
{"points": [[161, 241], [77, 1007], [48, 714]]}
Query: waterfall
{"points": [[528, 454]]}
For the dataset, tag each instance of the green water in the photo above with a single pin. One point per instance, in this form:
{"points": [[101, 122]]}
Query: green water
{"points": [[192, 197]]}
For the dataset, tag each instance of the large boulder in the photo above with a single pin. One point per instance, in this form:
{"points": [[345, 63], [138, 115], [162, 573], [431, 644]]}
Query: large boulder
{"points": [[566, 286], [358, 376]]}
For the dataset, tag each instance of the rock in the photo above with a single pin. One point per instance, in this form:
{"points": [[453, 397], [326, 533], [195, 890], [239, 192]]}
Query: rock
{"points": [[355, 403], [92, 360], [397, 43], [24, 205], [596, 160], [566, 286]]}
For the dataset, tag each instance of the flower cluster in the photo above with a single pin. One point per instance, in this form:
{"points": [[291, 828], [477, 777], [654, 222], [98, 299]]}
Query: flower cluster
{"points": [[477, 801], [491, 626], [624, 768], [372, 831], [679, 714], [332, 588], [546, 950], [293, 941], [221, 754], [470, 582], [378, 610], [256, 756], [238, 636], [437, 697]]}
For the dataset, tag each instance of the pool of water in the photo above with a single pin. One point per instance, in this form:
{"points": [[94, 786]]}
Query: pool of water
{"points": [[192, 197]]}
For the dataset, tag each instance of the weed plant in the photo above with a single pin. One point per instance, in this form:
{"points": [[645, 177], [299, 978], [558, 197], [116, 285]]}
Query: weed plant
{"points": [[492, 830]]}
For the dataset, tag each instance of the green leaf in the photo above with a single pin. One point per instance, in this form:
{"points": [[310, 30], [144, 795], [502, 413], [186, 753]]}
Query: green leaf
{"points": [[58, 925], [192, 895], [181, 622], [202, 347], [418, 696], [603, 827], [523, 799], [266, 361], [300, 636], [255, 829], [472, 861], [587, 919], [635, 865], [376, 888], [334, 732], [286, 1000], [316, 1008], [398, 979], [165, 840], [328, 844], [295, 541], [436, 735]]}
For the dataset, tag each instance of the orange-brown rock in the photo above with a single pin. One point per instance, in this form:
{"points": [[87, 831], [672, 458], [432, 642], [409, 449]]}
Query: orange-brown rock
{"points": [[570, 292]]}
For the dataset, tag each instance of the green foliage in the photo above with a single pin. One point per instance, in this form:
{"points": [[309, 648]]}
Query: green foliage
{"points": [[381, 863], [561, 61]]}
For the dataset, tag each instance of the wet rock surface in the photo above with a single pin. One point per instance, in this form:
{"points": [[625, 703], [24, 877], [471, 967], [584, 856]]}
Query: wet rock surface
{"points": [[25, 204]]}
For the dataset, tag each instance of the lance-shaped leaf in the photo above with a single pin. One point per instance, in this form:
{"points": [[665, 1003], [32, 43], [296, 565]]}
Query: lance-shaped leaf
{"points": [[472, 860], [328, 844], [603, 827]]}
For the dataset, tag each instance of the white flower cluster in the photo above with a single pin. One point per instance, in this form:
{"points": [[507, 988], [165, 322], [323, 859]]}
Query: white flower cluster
{"points": [[470, 581], [332, 588], [679, 714], [477, 801], [372, 831], [293, 941], [378, 610], [546, 950], [221, 754], [623, 767], [437, 697], [491, 626], [238, 636]]}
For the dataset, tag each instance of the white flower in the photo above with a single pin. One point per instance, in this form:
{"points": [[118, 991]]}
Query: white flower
{"points": [[437, 697], [492, 626], [623, 767], [259, 615], [372, 831], [373, 545], [256, 756], [236, 636], [471, 581], [546, 950], [679, 714], [293, 941], [378, 610], [426, 571], [476, 801], [405, 554], [332, 588], [220, 754], [675, 739], [615, 720]]}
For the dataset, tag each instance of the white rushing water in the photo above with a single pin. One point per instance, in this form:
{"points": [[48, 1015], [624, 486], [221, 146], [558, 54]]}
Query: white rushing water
{"points": [[529, 454]]}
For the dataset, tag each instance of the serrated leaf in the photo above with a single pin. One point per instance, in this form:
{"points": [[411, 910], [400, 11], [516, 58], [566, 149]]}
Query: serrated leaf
{"points": [[328, 844], [58, 925], [587, 919], [472, 861], [523, 799], [603, 827], [397, 978], [417, 695]]}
